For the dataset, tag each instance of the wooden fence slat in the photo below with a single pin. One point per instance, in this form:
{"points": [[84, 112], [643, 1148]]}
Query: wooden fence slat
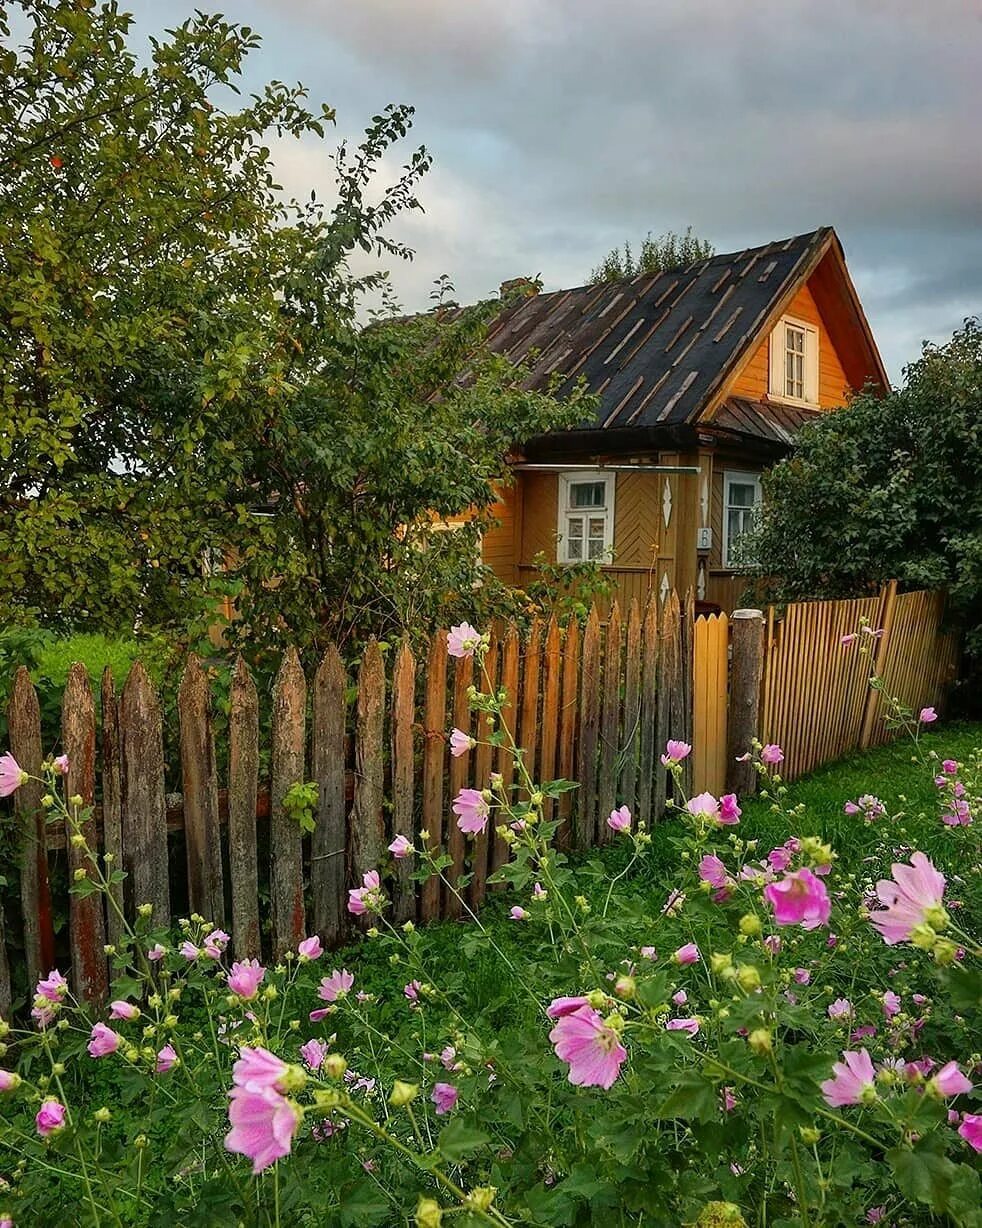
{"points": [[328, 844], [627, 785], [528, 736], [403, 777], [480, 848], [243, 790], [434, 733], [551, 684], [141, 737], [285, 836], [24, 731], [568, 728], [687, 616], [651, 799], [86, 924], [463, 676], [585, 827], [669, 705], [609, 724], [112, 802], [510, 663], [199, 781], [367, 825]]}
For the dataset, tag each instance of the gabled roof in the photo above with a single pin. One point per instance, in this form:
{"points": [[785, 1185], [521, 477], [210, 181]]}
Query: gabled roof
{"points": [[660, 348]]}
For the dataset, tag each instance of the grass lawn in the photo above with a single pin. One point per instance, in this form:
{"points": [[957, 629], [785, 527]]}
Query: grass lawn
{"points": [[893, 773]]}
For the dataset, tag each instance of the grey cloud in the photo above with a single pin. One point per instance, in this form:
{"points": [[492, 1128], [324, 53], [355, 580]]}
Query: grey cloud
{"points": [[561, 127]]}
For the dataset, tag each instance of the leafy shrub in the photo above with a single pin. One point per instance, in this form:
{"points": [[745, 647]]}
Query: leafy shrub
{"points": [[610, 1057]]}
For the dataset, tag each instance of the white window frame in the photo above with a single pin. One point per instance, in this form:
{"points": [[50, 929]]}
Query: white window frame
{"points": [[566, 481], [777, 384], [732, 477]]}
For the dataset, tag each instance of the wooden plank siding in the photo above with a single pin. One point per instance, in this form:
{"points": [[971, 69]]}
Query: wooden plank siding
{"points": [[833, 384]]}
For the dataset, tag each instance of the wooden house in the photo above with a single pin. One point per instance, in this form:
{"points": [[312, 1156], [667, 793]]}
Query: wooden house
{"points": [[704, 375]]}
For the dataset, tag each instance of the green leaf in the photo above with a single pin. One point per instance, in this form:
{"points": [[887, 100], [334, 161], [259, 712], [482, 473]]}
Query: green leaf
{"points": [[694, 1096], [458, 1139]]}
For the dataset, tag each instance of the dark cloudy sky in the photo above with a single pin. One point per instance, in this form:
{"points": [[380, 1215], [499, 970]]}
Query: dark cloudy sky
{"points": [[561, 127]]}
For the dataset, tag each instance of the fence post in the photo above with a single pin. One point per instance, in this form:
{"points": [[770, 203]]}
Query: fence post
{"points": [[743, 723]]}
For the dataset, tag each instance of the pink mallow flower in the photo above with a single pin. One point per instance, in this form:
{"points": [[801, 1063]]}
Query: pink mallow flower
{"points": [[313, 1053], [472, 811], [971, 1130], [411, 991], [12, 775], [50, 1118], [310, 948], [103, 1041], [620, 819], [689, 954], [891, 1004], [949, 1081], [704, 805], [462, 640], [927, 716], [61, 765], [771, 755], [911, 898], [518, 913], [713, 871], [854, 1081], [799, 899], [331, 988], [123, 1010], [729, 811], [54, 986], [460, 742], [559, 1007], [9, 1081], [263, 1124], [444, 1096], [156, 952], [368, 897], [245, 978], [166, 1059], [590, 1046], [401, 847], [691, 1026], [675, 752]]}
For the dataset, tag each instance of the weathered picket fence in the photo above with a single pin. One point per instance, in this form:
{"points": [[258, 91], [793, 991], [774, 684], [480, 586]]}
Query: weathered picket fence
{"points": [[592, 703]]}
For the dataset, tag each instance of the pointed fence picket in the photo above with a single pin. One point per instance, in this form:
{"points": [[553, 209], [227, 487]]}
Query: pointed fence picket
{"points": [[593, 703]]}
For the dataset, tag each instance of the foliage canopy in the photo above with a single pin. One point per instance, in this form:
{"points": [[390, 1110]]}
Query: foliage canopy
{"points": [[886, 488], [186, 377]]}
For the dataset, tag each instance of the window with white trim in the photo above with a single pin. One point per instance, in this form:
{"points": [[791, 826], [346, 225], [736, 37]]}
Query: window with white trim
{"points": [[794, 362], [586, 516], [741, 499]]}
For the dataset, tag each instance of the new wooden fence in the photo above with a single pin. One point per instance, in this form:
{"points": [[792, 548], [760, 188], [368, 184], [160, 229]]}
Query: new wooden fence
{"points": [[594, 704], [816, 701]]}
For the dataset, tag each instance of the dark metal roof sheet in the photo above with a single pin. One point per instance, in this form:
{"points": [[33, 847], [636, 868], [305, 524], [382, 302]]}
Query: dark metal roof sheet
{"points": [[654, 348], [770, 420]]}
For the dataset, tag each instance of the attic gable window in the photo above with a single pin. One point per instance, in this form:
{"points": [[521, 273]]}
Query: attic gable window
{"points": [[586, 517], [794, 362]]}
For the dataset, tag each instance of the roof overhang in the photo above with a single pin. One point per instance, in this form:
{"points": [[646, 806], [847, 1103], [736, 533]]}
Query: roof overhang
{"points": [[598, 442]]}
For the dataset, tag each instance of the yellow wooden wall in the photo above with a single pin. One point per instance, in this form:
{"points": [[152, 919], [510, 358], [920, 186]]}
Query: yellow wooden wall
{"points": [[752, 382], [498, 545]]}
